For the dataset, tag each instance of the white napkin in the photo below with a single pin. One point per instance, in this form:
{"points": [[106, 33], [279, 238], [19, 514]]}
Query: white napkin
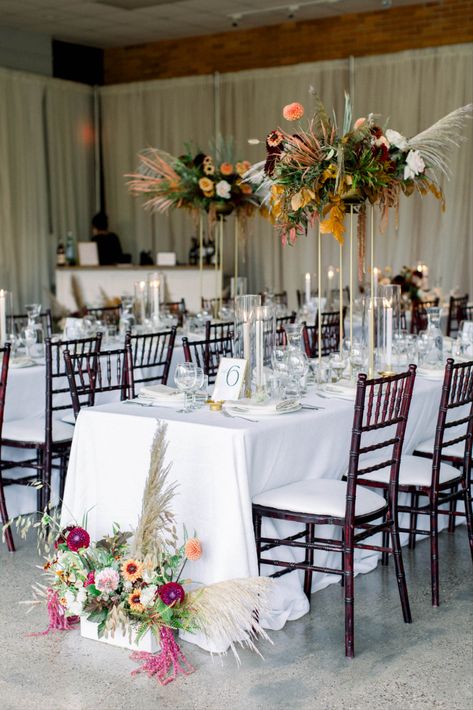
{"points": [[17, 362], [165, 395], [340, 391], [268, 408]]}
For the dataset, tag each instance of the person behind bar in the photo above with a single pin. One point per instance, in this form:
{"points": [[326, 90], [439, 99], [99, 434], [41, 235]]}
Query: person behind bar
{"points": [[108, 243]]}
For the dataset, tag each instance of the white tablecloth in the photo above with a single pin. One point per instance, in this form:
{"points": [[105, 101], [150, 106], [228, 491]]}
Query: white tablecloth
{"points": [[220, 464]]}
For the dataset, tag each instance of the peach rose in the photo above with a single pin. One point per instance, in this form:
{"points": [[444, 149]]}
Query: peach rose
{"points": [[243, 166], [226, 168], [358, 123], [293, 112]]}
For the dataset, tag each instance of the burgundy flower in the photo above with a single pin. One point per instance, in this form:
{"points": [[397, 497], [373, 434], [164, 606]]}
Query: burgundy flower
{"points": [[90, 579], [171, 593], [77, 538], [63, 535]]}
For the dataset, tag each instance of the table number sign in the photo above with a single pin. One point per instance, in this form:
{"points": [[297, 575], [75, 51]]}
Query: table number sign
{"points": [[230, 379]]}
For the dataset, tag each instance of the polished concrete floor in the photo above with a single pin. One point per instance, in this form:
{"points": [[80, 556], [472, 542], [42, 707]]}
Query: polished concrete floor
{"points": [[424, 665]]}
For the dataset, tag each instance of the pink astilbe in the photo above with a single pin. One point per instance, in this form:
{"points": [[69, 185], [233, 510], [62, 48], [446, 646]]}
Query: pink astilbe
{"points": [[166, 664], [57, 616]]}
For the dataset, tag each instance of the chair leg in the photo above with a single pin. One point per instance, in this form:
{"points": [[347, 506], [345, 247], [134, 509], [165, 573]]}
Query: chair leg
{"points": [[4, 515], [257, 529], [62, 474], [309, 560], [469, 517], [46, 477], [434, 555], [39, 474], [453, 508], [349, 603], [385, 538], [413, 521], [401, 576]]}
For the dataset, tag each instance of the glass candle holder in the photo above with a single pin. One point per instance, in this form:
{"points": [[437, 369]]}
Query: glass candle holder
{"points": [[155, 280], [245, 333], [141, 301]]}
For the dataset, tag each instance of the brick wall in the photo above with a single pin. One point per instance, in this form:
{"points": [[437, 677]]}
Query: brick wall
{"points": [[396, 29]]}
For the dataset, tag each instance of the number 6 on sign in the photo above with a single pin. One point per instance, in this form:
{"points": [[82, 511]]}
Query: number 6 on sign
{"points": [[230, 379]]}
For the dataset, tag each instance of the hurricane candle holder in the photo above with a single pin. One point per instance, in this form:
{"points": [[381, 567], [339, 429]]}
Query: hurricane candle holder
{"points": [[245, 333], [155, 280], [141, 301], [390, 322]]}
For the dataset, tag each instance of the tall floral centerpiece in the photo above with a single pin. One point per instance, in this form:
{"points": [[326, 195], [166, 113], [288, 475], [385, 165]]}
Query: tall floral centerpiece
{"points": [[134, 584], [203, 183], [320, 172]]}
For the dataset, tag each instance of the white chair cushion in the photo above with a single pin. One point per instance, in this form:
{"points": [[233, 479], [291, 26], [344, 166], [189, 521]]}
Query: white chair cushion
{"points": [[427, 447], [414, 471], [320, 496], [32, 429]]}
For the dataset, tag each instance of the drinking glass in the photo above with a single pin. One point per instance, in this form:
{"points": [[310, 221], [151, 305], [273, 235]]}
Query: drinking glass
{"points": [[322, 372], [357, 358], [297, 366], [185, 378], [197, 387], [337, 364]]}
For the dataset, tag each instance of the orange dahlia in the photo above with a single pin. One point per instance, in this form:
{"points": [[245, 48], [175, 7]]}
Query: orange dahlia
{"points": [[134, 601], [193, 549], [293, 112], [132, 570], [226, 168]]}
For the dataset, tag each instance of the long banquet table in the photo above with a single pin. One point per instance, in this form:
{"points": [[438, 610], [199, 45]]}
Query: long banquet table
{"points": [[220, 464]]}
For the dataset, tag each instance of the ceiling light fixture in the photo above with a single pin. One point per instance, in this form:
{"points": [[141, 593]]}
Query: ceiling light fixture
{"points": [[289, 9]]}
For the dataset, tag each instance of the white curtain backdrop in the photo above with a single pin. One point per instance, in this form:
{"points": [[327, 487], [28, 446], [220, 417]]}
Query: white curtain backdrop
{"points": [[413, 89], [46, 178], [165, 114]]}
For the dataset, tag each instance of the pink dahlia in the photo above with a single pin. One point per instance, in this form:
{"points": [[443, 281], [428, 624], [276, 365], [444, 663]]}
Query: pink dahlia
{"points": [[90, 579], [77, 538], [171, 593], [293, 112]]}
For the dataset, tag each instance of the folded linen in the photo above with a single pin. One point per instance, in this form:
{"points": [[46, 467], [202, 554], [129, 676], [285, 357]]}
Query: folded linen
{"points": [[162, 393], [267, 408]]}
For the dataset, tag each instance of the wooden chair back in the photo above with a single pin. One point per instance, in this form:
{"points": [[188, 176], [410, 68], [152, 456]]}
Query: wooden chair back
{"points": [[207, 353]]}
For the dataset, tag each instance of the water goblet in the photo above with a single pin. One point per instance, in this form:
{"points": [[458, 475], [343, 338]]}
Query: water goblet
{"points": [[337, 365], [185, 378]]}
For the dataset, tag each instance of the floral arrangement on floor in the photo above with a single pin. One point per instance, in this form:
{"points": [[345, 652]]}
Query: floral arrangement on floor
{"points": [[134, 583], [210, 182], [318, 171]]}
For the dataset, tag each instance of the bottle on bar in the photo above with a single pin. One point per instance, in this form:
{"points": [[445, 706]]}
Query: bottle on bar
{"points": [[70, 250], [60, 254]]}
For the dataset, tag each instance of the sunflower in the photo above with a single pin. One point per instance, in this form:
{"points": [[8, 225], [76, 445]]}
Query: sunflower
{"points": [[132, 570], [134, 601], [209, 169]]}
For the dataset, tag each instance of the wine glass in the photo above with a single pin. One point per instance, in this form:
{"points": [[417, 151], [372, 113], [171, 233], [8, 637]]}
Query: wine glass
{"points": [[338, 364], [185, 378]]}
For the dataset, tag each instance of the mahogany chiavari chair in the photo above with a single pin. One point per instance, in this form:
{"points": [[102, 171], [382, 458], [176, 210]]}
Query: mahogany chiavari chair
{"points": [[330, 335], [281, 321], [419, 319], [455, 313], [280, 337], [152, 355], [177, 309], [19, 322], [433, 479], [466, 313], [48, 437], [279, 299], [207, 353], [5, 359], [381, 406], [218, 330], [108, 315], [97, 372]]}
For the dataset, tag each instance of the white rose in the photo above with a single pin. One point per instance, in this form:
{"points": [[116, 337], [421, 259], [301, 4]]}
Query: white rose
{"points": [[223, 189], [148, 594], [70, 598], [396, 139], [414, 164], [81, 595]]}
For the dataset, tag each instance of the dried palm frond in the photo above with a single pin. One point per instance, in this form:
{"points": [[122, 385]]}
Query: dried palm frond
{"points": [[256, 176], [156, 529], [435, 142], [228, 613], [156, 175]]}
